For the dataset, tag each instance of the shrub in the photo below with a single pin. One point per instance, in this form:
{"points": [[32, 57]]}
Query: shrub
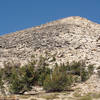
{"points": [[98, 67], [90, 69], [41, 74], [41, 69], [36, 72], [99, 73], [22, 79], [8, 69], [75, 67], [57, 81], [80, 69], [64, 75], [84, 75], [1, 82], [86, 72], [85, 98], [15, 84]]}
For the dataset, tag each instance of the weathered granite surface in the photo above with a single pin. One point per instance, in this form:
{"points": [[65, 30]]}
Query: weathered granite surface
{"points": [[72, 38]]}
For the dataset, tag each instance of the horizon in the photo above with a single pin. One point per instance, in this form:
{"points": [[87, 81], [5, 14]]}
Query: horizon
{"points": [[20, 15], [45, 23]]}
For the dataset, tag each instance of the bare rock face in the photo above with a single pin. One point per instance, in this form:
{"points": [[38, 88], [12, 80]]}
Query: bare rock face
{"points": [[72, 38]]}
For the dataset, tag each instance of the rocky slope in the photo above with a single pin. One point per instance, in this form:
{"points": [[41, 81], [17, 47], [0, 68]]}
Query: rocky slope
{"points": [[72, 38]]}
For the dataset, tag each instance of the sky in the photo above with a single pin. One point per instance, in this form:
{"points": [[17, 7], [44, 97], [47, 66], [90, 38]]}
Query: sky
{"points": [[17, 15]]}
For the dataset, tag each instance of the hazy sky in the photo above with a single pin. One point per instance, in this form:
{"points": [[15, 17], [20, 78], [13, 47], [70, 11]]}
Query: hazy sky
{"points": [[20, 14]]}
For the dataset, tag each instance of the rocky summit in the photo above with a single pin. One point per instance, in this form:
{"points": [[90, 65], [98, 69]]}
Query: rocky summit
{"points": [[72, 38]]}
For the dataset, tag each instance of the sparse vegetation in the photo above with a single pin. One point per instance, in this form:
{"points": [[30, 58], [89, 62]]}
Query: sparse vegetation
{"points": [[96, 95], [90, 96], [77, 93], [22, 80], [64, 75], [41, 75], [85, 98], [98, 69], [1, 82], [58, 80], [50, 96], [36, 72]]}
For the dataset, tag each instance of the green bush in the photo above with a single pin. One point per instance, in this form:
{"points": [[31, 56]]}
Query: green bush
{"points": [[86, 72], [99, 73], [75, 67], [36, 72], [41, 74], [22, 79], [15, 84], [80, 69], [57, 81], [64, 75], [90, 69], [1, 82], [84, 75], [8, 69]]}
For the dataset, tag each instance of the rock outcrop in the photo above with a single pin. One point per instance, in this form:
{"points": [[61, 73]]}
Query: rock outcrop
{"points": [[72, 38]]}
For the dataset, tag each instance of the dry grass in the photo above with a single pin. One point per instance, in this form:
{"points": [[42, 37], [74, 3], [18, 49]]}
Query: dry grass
{"points": [[33, 99], [96, 95], [24, 96], [50, 96], [85, 98], [77, 93]]}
